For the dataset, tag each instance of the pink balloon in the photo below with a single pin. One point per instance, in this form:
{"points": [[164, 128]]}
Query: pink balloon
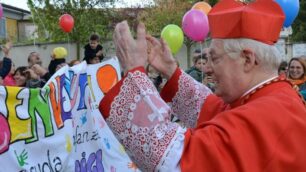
{"points": [[195, 25], [1, 11]]}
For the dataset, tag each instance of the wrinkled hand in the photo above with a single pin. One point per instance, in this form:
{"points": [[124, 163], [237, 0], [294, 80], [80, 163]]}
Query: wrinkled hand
{"points": [[39, 70], [160, 57], [130, 52]]}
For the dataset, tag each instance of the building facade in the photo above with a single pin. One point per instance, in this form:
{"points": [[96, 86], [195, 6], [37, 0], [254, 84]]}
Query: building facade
{"points": [[16, 24]]}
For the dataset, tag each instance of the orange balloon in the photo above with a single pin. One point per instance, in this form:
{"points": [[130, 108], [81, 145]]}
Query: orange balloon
{"points": [[202, 6], [107, 77]]}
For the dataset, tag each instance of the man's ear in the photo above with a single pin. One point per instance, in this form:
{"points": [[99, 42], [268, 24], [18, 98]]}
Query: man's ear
{"points": [[249, 59]]}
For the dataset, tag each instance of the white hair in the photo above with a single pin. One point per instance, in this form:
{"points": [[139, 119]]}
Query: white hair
{"points": [[268, 55]]}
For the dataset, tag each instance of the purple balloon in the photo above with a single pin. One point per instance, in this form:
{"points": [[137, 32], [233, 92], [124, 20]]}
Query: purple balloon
{"points": [[195, 25], [1, 11]]}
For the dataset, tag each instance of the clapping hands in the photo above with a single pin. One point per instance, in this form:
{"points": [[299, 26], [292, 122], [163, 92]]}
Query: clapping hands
{"points": [[144, 49], [131, 52], [160, 57]]}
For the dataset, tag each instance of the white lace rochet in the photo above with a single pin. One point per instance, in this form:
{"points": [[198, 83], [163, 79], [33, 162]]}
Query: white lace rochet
{"points": [[140, 120]]}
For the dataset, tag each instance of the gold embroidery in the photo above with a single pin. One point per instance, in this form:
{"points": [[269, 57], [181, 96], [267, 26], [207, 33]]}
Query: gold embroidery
{"points": [[278, 79]]}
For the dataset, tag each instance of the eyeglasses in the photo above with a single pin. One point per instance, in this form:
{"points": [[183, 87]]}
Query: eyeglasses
{"points": [[214, 58]]}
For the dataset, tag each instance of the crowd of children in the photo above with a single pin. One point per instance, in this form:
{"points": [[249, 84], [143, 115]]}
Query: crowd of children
{"points": [[34, 75]]}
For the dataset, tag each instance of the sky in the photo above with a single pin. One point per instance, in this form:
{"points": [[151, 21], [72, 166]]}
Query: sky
{"points": [[23, 3], [16, 3]]}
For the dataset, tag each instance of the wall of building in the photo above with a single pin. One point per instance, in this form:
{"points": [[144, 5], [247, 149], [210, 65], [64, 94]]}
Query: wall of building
{"points": [[26, 31], [19, 54], [12, 29], [9, 24]]}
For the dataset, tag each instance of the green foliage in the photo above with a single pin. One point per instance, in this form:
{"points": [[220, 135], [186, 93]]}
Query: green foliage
{"points": [[169, 12], [165, 12], [299, 25], [90, 16], [213, 2]]}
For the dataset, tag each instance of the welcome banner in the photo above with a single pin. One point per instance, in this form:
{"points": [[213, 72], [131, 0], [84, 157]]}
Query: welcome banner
{"points": [[59, 127]]}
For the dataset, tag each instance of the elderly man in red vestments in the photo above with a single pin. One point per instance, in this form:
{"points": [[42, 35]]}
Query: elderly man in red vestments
{"points": [[254, 122]]}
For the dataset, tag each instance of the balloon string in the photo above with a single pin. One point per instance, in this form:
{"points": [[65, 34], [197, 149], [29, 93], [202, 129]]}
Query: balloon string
{"points": [[45, 31], [202, 74], [34, 40], [68, 55]]}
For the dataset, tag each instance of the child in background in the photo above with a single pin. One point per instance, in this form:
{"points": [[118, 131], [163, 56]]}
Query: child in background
{"points": [[93, 50], [197, 70]]}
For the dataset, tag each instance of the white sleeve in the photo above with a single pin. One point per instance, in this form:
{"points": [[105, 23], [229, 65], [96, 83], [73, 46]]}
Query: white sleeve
{"points": [[171, 160], [187, 97], [140, 119]]}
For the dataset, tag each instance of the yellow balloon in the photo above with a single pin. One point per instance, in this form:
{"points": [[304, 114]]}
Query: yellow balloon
{"points": [[59, 52]]}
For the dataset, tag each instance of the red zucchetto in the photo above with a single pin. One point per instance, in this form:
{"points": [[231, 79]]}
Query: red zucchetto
{"points": [[261, 20]]}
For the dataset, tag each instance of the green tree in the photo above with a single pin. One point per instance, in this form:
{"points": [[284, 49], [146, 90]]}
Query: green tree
{"points": [[165, 12], [299, 25], [90, 16], [213, 2]]}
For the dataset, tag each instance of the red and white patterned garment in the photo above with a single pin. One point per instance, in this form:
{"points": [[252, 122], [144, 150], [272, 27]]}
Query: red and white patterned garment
{"points": [[262, 131]]}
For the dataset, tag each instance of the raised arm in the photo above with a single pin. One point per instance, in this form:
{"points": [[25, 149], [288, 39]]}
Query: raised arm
{"points": [[135, 112], [184, 94], [7, 62]]}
